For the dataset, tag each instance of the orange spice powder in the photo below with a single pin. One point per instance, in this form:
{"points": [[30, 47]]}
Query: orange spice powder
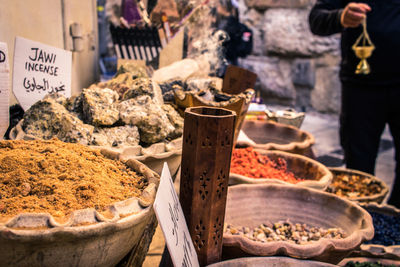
{"points": [[58, 178], [250, 163]]}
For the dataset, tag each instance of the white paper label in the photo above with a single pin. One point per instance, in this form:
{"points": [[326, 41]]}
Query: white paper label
{"points": [[40, 69], [172, 222], [4, 89]]}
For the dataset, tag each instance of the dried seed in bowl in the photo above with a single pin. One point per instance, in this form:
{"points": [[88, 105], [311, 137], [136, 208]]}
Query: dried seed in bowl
{"points": [[234, 231], [353, 185], [287, 231], [246, 230]]}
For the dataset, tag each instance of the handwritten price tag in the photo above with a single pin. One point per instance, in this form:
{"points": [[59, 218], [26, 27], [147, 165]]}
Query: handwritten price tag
{"points": [[4, 89], [172, 221], [40, 69]]}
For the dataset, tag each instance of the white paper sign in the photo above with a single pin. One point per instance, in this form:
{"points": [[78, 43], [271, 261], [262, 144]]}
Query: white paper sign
{"points": [[4, 89], [172, 221], [40, 69]]}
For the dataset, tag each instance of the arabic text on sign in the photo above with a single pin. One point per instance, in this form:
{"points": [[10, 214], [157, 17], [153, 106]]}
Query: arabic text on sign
{"points": [[41, 86]]}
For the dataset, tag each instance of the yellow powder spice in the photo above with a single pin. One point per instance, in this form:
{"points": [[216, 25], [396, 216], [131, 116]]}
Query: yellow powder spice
{"points": [[58, 178]]}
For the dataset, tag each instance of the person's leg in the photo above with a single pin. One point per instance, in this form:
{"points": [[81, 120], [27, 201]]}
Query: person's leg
{"points": [[394, 125], [362, 121]]}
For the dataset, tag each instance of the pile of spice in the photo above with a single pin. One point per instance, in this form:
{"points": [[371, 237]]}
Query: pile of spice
{"points": [[58, 178], [367, 264], [353, 185], [387, 229], [286, 231], [250, 163]]}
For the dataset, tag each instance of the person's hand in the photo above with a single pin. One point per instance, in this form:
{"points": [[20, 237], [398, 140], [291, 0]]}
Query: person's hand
{"points": [[353, 14], [124, 23]]}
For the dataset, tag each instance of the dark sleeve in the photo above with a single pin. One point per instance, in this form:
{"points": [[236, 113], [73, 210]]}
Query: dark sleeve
{"points": [[324, 18]]}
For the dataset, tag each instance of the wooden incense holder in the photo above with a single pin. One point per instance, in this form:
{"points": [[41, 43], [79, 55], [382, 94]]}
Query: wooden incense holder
{"points": [[206, 156]]}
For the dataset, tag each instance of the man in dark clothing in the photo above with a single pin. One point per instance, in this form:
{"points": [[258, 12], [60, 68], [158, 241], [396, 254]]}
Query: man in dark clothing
{"points": [[368, 101]]}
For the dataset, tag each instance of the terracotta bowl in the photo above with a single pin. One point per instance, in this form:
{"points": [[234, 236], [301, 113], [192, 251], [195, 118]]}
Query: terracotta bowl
{"points": [[375, 250], [252, 205], [270, 261], [385, 262], [316, 175], [271, 135], [153, 156], [87, 237], [378, 198]]}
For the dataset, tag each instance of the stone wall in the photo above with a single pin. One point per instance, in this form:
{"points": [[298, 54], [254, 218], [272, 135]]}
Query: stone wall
{"points": [[294, 67]]}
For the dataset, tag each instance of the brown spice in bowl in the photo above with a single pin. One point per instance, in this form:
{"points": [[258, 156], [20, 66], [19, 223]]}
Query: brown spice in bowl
{"points": [[354, 185], [56, 177]]}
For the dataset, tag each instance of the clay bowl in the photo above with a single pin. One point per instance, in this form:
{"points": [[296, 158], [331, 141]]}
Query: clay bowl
{"points": [[270, 261], [252, 205], [316, 175], [375, 181], [153, 156], [87, 238], [364, 260], [371, 250], [271, 135]]}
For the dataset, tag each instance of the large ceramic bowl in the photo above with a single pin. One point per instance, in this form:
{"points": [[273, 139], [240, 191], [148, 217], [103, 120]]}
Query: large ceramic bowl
{"points": [[271, 135], [87, 238], [372, 180], [153, 156], [270, 261], [252, 205], [377, 250], [368, 262], [316, 175]]}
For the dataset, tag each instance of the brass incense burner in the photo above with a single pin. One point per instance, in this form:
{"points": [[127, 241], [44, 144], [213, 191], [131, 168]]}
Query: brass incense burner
{"points": [[363, 48]]}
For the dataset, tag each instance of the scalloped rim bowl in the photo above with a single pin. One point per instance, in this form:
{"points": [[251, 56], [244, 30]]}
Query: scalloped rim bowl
{"points": [[295, 140], [375, 250], [384, 262], [378, 198], [251, 205], [319, 180], [270, 261], [153, 156], [87, 238]]}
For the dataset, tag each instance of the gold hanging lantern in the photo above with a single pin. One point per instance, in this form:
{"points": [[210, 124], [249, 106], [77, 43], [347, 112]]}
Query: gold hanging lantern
{"points": [[363, 48]]}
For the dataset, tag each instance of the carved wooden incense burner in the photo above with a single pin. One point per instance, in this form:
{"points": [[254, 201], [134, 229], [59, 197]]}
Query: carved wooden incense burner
{"points": [[206, 156]]}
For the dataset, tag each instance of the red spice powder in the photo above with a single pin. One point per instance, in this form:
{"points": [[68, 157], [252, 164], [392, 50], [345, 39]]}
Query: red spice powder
{"points": [[250, 163]]}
